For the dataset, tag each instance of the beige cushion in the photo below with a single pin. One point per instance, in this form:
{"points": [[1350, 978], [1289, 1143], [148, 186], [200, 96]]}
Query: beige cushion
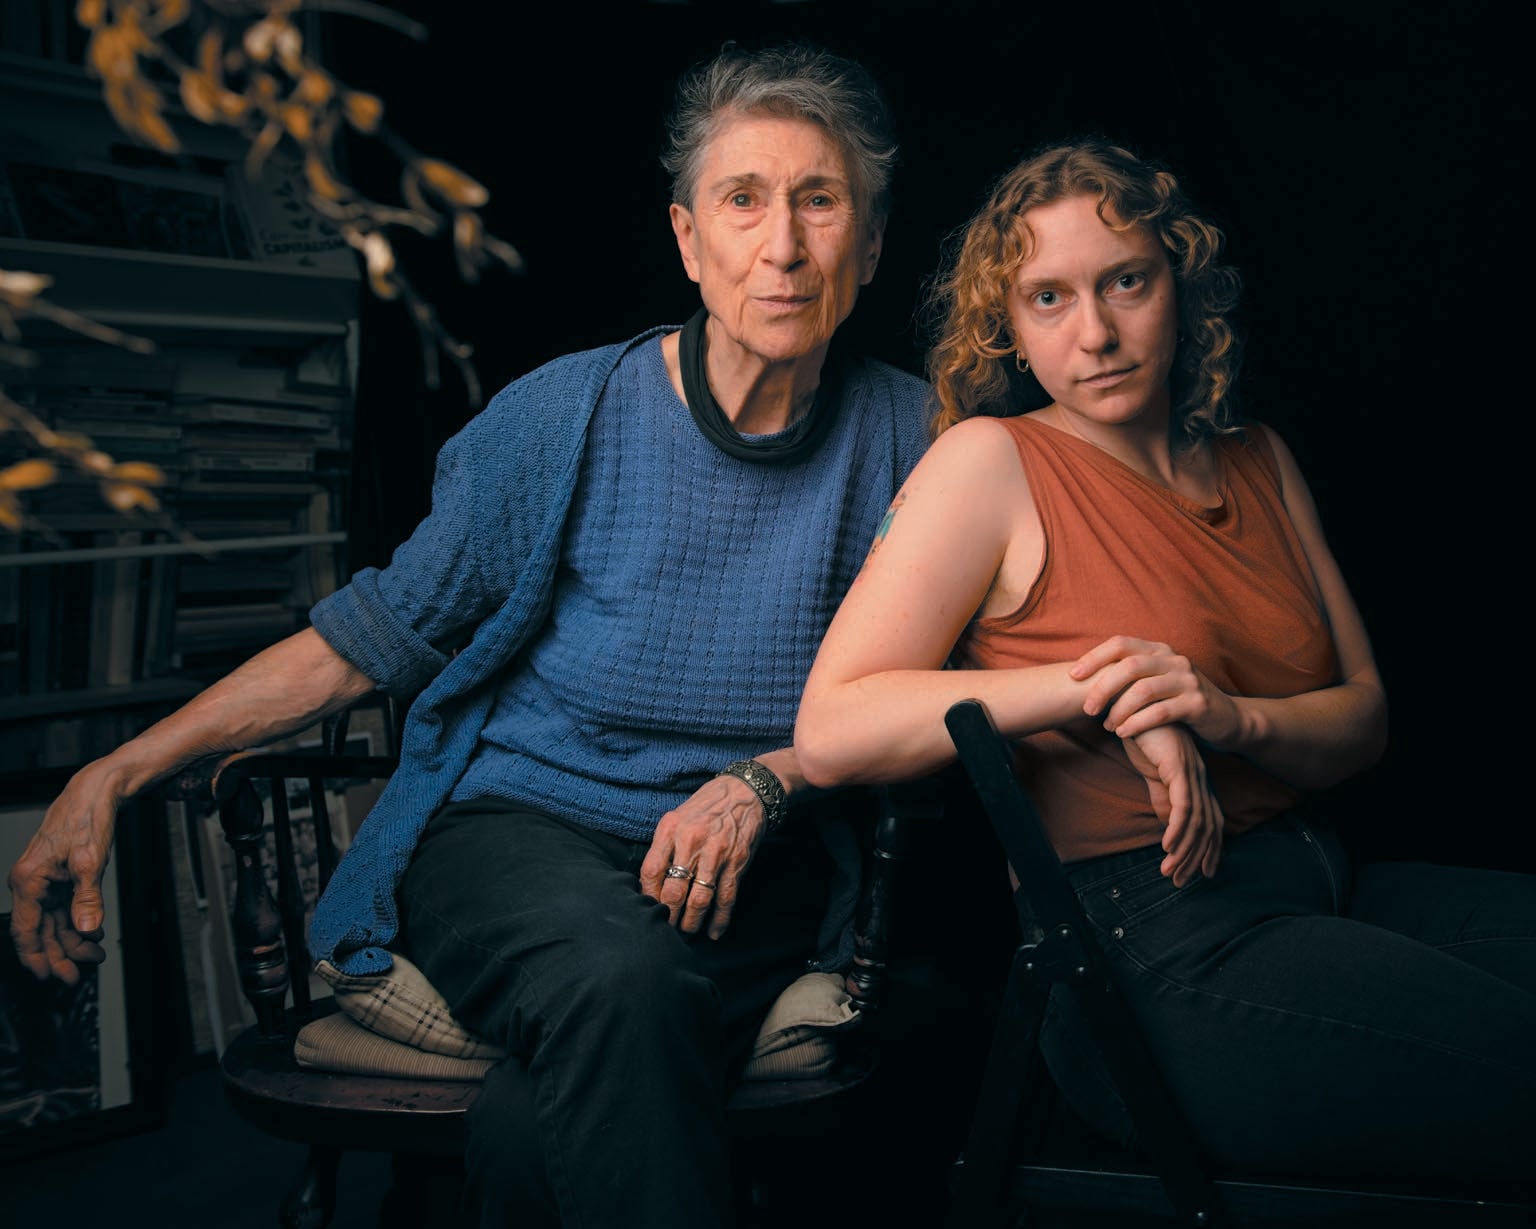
{"points": [[405, 1007], [396, 1023], [337, 1042], [797, 1038]]}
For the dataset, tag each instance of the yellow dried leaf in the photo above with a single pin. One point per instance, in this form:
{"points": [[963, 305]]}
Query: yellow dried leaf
{"points": [[321, 182], [296, 120], [154, 129], [126, 497], [173, 12], [10, 512], [200, 96], [260, 39], [210, 54], [89, 13], [135, 37], [504, 252], [455, 187], [262, 144], [314, 88], [232, 106], [467, 235], [95, 462], [69, 441], [379, 258], [26, 475], [23, 284], [109, 56], [143, 472], [290, 47], [363, 111]]}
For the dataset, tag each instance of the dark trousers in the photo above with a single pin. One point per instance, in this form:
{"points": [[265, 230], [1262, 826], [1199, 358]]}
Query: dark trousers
{"points": [[1315, 1019], [623, 1033]]}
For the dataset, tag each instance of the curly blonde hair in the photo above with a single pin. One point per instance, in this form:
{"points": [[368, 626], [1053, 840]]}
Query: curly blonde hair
{"points": [[971, 362]]}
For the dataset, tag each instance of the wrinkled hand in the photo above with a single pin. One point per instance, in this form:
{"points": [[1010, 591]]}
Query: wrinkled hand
{"points": [[1145, 685], [714, 834], [1170, 761], [56, 902]]}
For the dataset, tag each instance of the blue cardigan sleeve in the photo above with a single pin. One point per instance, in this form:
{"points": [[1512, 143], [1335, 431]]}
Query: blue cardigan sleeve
{"points": [[399, 625]]}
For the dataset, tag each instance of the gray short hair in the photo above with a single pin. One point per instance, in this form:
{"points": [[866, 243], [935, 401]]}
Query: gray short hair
{"points": [[796, 80]]}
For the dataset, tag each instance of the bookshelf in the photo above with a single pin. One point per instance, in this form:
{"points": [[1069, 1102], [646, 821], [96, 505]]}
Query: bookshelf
{"points": [[106, 622]]}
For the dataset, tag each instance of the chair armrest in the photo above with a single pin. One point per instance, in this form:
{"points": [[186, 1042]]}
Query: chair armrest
{"points": [[217, 779]]}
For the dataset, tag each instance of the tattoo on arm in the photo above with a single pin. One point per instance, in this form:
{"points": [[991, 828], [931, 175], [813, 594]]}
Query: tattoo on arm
{"points": [[885, 527]]}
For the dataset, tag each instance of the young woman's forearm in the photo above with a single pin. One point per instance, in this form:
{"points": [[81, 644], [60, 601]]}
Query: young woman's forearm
{"points": [[1313, 740], [889, 726]]}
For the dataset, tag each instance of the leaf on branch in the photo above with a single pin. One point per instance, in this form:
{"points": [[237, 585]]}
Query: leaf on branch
{"points": [[296, 120], [455, 187], [468, 244], [315, 89], [129, 497], [321, 182], [19, 285], [28, 475], [363, 111], [142, 472]]}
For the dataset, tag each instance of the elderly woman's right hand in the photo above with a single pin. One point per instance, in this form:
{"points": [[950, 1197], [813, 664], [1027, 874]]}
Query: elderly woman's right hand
{"points": [[56, 902], [1170, 761]]}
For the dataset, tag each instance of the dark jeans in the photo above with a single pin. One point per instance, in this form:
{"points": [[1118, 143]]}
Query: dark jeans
{"points": [[623, 1033], [1316, 1020]]}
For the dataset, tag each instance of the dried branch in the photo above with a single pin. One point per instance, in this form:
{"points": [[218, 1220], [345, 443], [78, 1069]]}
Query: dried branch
{"points": [[250, 72]]}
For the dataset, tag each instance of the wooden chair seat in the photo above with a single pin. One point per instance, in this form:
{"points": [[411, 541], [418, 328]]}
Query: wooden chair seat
{"points": [[417, 1119], [371, 1113]]}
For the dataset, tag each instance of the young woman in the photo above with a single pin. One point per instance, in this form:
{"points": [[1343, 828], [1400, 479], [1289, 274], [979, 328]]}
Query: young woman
{"points": [[1137, 586]]}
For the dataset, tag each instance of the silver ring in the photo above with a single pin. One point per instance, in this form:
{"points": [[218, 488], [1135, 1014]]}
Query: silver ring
{"points": [[679, 872], [700, 883]]}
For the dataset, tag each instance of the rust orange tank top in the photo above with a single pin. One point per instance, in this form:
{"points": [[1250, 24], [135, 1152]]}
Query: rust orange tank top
{"points": [[1229, 587]]}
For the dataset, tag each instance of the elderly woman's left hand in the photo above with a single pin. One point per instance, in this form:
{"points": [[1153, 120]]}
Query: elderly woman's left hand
{"points": [[713, 837], [1144, 685]]}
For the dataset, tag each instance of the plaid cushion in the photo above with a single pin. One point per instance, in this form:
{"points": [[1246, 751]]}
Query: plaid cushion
{"points": [[337, 1042], [397, 1023], [405, 1007]]}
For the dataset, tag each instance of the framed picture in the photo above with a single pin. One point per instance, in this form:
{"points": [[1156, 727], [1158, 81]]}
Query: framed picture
{"points": [[81, 1062]]}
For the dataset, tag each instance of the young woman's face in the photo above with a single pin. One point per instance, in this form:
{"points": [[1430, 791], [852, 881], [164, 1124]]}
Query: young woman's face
{"points": [[1094, 311]]}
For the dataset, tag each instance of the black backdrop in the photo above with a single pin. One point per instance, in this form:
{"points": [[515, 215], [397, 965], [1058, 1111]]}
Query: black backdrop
{"points": [[1363, 159]]}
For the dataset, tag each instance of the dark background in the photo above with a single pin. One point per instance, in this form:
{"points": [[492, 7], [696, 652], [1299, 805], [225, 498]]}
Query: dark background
{"points": [[1363, 159]]}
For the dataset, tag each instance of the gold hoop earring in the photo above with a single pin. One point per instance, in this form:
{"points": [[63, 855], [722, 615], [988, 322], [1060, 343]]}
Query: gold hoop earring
{"points": [[1020, 361]]}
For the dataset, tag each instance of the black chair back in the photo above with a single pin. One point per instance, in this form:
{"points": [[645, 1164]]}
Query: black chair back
{"points": [[1004, 1169]]}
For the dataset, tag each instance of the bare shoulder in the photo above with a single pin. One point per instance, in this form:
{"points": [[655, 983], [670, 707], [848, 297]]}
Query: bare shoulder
{"points": [[1291, 481], [981, 448]]}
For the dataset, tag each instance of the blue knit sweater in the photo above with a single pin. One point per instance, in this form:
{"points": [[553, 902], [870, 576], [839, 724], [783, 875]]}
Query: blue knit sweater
{"points": [[630, 607]]}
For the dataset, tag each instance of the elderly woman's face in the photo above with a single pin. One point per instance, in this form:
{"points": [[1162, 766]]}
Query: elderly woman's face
{"points": [[774, 239]]}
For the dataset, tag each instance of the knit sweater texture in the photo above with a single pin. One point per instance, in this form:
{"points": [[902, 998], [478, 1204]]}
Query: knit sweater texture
{"points": [[601, 608]]}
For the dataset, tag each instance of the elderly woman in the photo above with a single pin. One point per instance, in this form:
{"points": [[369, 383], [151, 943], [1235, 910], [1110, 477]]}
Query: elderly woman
{"points": [[592, 847], [1137, 586]]}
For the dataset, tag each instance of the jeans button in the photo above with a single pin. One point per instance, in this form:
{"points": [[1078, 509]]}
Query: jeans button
{"points": [[1114, 893], [1118, 932]]}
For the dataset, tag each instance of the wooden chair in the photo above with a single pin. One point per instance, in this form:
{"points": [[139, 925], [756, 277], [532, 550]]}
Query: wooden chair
{"points": [[421, 1121], [1025, 1155]]}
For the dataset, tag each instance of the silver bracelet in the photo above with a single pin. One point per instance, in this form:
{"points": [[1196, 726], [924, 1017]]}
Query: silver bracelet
{"points": [[766, 785]]}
